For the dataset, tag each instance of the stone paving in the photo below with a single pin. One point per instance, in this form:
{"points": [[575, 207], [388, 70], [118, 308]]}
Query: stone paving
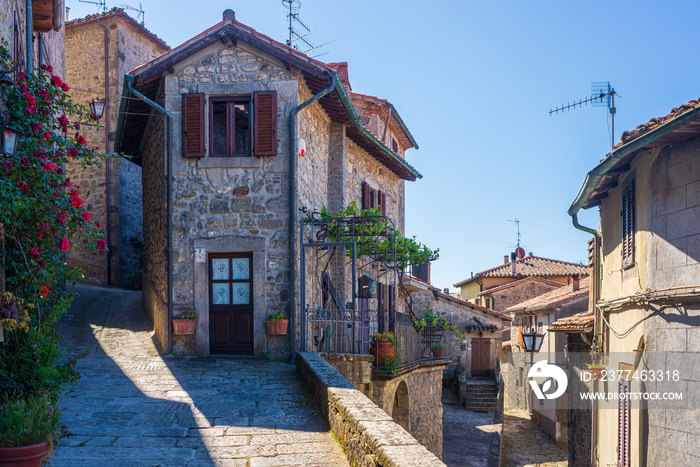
{"points": [[134, 408], [525, 445], [469, 439]]}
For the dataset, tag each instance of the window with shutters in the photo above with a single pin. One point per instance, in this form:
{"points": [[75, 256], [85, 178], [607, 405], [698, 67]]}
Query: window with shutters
{"points": [[373, 199], [628, 224], [238, 126]]}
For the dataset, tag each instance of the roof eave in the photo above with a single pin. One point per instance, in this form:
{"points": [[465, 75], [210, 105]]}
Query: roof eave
{"points": [[594, 176]]}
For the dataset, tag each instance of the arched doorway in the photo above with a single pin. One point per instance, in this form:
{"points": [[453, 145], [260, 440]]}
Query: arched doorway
{"points": [[401, 407]]}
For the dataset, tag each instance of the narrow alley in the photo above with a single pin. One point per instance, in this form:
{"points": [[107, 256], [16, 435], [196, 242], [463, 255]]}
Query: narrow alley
{"points": [[133, 407]]}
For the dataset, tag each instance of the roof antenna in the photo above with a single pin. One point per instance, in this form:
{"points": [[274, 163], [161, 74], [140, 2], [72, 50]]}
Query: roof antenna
{"points": [[140, 13], [299, 31], [602, 95], [519, 251], [97, 3]]}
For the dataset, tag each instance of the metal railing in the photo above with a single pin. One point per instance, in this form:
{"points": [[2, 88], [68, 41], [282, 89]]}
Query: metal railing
{"points": [[352, 332]]}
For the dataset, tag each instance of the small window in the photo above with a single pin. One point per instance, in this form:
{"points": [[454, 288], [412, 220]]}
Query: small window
{"points": [[230, 126], [627, 215], [394, 145], [373, 199]]}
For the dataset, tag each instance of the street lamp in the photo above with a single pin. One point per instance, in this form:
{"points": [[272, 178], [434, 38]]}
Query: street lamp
{"points": [[532, 342], [97, 107], [8, 134]]}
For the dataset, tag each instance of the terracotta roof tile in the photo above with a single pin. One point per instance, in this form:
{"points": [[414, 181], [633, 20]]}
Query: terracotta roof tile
{"points": [[554, 297], [500, 288], [577, 322], [532, 266], [117, 12]]}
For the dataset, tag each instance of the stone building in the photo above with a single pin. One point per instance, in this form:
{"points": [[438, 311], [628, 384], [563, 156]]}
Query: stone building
{"points": [[479, 287], [100, 49], [645, 291], [241, 108]]}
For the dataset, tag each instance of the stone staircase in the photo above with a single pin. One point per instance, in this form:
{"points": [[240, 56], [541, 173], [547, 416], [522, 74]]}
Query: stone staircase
{"points": [[481, 394]]}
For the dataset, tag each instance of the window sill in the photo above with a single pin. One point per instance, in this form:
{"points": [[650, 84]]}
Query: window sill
{"points": [[229, 162]]}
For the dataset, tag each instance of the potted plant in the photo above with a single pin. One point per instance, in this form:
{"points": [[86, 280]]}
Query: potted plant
{"points": [[277, 324], [184, 324], [438, 349], [136, 278], [27, 428], [383, 347], [596, 369]]}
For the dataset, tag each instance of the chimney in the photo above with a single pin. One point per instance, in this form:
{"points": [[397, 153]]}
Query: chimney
{"points": [[576, 282], [505, 259], [513, 258], [342, 69], [446, 291]]}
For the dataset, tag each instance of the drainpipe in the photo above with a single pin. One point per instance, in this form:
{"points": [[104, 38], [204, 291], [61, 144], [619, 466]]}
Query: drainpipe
{"points": [[596, 324], [386, 125], [128, 80], [107, 190], [30, 45], [292, 200], [41, 48]]}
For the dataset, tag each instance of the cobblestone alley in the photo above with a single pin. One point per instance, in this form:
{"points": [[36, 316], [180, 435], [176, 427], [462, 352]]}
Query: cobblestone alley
{"points": [[134, 408]]}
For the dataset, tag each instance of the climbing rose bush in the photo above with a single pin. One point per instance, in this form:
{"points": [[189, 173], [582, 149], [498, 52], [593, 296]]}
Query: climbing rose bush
{"points": [[43, 218]]}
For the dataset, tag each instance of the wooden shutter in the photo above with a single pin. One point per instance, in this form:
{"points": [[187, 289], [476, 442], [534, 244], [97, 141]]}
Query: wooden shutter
{"points": [[265, 123], [520, 331], [623, 424], [382, 201], [193, 125], [628, 225], [366, 195]]}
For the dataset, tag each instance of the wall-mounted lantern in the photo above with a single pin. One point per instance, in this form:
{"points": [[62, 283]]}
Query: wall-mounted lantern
{"points": [[97, 107], [366, 286]]}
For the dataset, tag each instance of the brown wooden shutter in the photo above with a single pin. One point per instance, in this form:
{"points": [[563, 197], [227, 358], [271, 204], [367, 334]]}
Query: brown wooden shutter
{"points": [[366, 195], [520, 334], [193, 125], [628, 225], [623, 424], [265, 123], [382, 201]]}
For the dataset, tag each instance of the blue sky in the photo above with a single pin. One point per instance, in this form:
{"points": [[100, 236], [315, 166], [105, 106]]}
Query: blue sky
{"points": [[474, 82]]}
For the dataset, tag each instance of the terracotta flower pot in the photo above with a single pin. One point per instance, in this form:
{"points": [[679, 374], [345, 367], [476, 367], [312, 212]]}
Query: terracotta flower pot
{"points": [[596, 371], [438, 352], [383, 351], [24, 456], [277, 327], [184, 326]]}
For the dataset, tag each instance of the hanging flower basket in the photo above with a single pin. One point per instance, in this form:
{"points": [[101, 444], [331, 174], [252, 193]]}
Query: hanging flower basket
{"points": [[595, 370]]}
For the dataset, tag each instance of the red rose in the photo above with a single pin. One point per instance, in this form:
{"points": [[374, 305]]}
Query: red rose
{"points": [[86, 216], [56, 81], [44, 291], [73, 152], [65, 244], [47, 135], [34, 252], [75, 199], [30, 99], [101, 244]]}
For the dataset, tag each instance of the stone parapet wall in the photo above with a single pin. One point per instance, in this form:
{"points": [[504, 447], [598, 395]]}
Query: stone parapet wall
{"points": [[368, 436]]}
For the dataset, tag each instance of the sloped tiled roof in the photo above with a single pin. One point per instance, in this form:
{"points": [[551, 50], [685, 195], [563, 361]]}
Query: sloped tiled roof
{"points": [[531, 266], [577, 322], [554, 297], [500, 288]]}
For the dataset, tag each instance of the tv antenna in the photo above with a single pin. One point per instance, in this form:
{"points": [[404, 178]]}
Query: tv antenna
{"points": [[139, 12], [298, 30], [97, 3], [519, 252], [602, 95]]}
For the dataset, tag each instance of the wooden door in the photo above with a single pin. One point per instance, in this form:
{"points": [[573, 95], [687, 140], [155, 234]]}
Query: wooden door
{"points": [[481, 357], [231, 303]]}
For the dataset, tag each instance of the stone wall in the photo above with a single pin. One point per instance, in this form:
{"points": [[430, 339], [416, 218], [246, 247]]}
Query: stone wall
{"points": [[130, 219], [368, 436], [519, 293]]}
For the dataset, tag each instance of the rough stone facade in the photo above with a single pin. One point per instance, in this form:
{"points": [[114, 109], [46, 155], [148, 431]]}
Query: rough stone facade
{"points": [[129, 45], [519, 292]]}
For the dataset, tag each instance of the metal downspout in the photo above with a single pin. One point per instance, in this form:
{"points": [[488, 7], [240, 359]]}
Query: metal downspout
{"points": [[108, 224], [292, 200], [128, 80], [596, 323], [40, 46], [29, 35]]}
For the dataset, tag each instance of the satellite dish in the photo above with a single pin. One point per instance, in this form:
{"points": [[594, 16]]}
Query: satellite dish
{"points": [[520, 253]]}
